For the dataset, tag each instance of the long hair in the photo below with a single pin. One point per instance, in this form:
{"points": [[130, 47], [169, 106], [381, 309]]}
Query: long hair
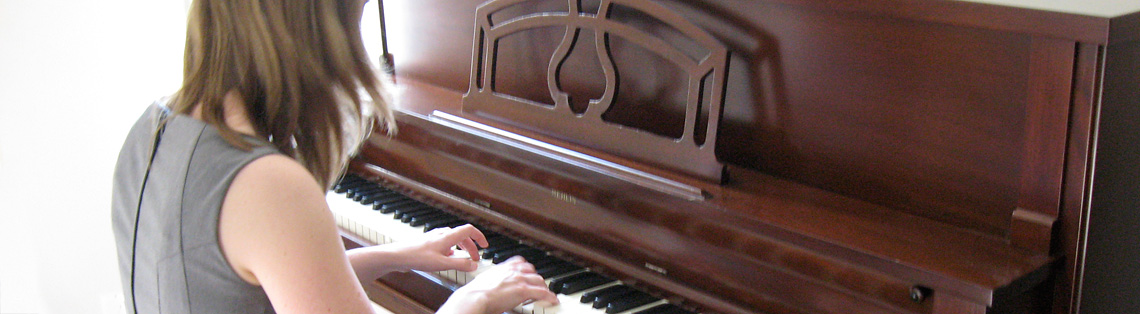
{"points": [[299, 67]]}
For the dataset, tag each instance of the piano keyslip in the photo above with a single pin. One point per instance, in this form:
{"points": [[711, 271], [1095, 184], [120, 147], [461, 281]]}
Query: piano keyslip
{"points": [[397, 220]]}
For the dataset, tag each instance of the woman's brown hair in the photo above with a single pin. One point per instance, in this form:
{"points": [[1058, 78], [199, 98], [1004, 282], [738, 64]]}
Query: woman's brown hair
{"points": [[299, 67]]}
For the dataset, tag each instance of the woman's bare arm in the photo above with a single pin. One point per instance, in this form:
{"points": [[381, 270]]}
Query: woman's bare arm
{"points": [[277, 231]]}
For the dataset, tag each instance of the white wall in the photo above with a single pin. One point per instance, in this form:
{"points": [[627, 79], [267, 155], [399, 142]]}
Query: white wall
{"points": [[74, 74]]}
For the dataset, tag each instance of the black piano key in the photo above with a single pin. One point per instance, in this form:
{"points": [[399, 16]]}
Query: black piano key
{"points": [[630, 301], [664, 309], [350, 180], [544, 259], [347, 178], [557, 269], [366, 190], [388, 209], [344, 185], [342, 188], [603, 301], [393, 202], [378, 198], [602, 297], [381, 198], [533, 255], [410, 208], [422, 220], [557, 284], [365, 185], [356, 196], [660, 309], [350, 193], [357, 193], [442, 217], [399, 214], [586, 282], [376, 191], [407, 218], [457, 224], [527, 253], [440, 220], [512, 251], [589, 297], [498, 241], [432, 225], [488, 234], [490, 252]]}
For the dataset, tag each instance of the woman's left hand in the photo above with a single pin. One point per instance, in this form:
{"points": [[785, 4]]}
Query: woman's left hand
{"points": [[434, 252]]}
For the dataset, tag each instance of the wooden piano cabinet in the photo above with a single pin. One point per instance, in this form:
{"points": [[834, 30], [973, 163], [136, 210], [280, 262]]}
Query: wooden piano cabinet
{"points": [[885, 156], [1112, 240]]}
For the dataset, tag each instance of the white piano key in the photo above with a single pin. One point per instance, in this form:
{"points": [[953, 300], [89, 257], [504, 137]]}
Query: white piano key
{"points": [[570, 303], [381, 228]]}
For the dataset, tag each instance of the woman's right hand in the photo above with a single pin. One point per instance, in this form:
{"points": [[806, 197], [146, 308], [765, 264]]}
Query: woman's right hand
{"points": [[500, 289]]}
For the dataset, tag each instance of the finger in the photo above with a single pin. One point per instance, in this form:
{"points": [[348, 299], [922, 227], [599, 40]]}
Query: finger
{"points": [[469, 265], [439, 231], [461, 264], [533, 280], [469, 231], [526, 268], [539, 293], [513, 261], [469, 246]]}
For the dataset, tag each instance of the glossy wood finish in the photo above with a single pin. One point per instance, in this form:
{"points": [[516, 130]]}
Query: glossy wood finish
{"points": [[613, 121], [874, 149], [946, 135], [1070, 235], [1109, 273]]}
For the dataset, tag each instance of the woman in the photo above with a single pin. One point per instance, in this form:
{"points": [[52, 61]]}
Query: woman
{"points": [[218, 206]]}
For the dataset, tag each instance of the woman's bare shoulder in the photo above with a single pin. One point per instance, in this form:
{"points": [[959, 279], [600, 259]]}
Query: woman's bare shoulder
{"points": [[277, 232], [273, 197]]}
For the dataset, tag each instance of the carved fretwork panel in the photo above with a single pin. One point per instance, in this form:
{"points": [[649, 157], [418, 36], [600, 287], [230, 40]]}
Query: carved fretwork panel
{"points": [[631, 78]]}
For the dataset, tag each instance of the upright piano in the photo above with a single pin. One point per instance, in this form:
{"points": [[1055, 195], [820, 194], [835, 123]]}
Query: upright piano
{"points": [[770, 156]]}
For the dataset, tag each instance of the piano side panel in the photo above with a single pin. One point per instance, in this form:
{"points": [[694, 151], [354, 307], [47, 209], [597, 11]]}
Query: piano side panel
{"points": [[1070, 231], [1110, 272]]}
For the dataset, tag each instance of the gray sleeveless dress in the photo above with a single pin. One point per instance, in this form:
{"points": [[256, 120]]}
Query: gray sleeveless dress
{"points": [[178, 266]]}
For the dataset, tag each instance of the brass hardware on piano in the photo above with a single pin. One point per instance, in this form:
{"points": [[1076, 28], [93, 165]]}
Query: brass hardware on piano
{"points": [[765, 156]]}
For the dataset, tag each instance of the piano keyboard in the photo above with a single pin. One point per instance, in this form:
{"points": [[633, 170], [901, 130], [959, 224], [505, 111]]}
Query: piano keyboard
{"points": [[383, 216]]}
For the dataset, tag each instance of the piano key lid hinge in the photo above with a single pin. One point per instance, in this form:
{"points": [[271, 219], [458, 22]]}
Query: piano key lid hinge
{"points": [[563, 196], [656, 268], [481, 203]]}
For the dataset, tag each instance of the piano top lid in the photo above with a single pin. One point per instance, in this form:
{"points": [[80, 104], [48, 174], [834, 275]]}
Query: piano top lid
{"points": [[1097, 8]]}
